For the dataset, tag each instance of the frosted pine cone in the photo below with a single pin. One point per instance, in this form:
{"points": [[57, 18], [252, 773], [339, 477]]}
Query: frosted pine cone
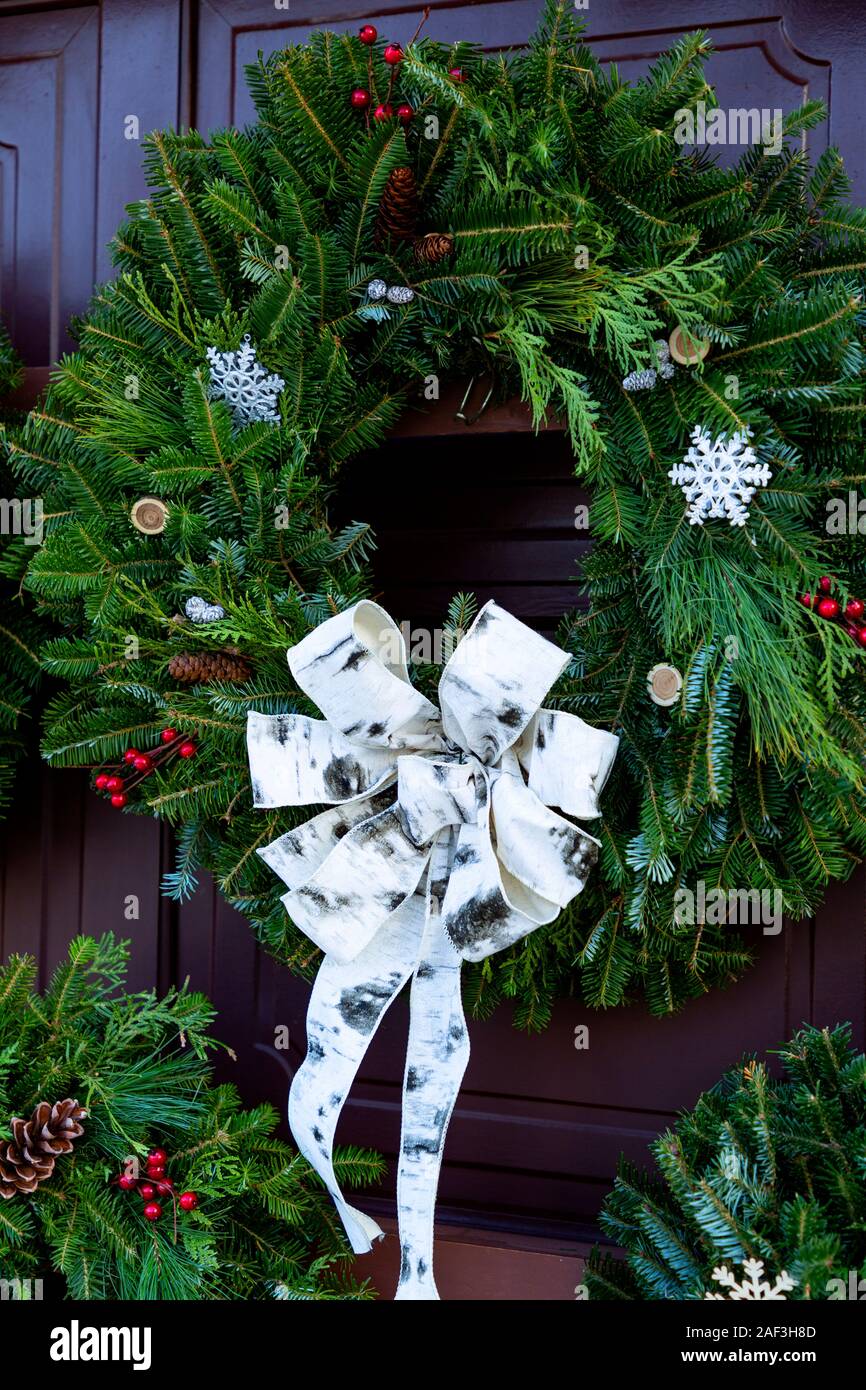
{"points": [[640, 381]]}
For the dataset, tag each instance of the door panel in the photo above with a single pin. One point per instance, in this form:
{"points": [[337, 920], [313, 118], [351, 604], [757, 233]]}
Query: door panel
{"points": [[69, 79], [534, 1142]]}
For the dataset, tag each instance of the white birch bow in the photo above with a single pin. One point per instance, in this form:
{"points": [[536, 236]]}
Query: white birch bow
{"points": [[441, 846]]}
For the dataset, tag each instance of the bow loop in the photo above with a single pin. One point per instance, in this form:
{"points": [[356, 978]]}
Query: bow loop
{"points": [[495, 682], [354, 668]]}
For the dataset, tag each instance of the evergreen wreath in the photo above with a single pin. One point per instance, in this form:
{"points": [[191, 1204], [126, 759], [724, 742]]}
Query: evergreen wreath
{"points": [[137, 1071], [761, 1169], [553, 232]]}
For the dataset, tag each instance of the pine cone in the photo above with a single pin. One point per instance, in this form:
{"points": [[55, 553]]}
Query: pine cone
{"points": [[398, 209], [433, 247], [28, 1158], [199, 668]]}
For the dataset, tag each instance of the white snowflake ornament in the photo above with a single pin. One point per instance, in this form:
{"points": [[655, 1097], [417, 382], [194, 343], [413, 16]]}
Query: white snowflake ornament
{"points": [[239, 379], [754, 1285], [719, 477]]}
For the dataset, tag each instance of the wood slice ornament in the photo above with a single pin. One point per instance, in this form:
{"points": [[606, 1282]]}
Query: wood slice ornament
{"points": [[664, 684], [149, 515], [686, 349]]}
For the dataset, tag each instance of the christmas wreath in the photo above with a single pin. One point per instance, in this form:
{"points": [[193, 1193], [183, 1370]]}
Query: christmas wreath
{"points": [[285, 292]]}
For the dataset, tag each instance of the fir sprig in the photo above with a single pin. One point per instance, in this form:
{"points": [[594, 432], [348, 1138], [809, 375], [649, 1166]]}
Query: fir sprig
{"points": [[141, 1066]]}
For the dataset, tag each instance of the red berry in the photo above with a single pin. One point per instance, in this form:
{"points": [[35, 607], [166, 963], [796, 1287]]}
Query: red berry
{"points": [[860, 636], [164, 1186], [168, 735], [114, 784], [854, 608], [405, 113], [368, 34], [457, 74], [155, 1172], [188, 1201], [393, 53], [153, 1211], [102, 781], [360, 97], [127, 1182], [142, 763], [130, 755], [806, 600], [118, 800], [147, 1191], [825, 584], [158, 1158], [828, 608], [187, 750], [383, 113]]}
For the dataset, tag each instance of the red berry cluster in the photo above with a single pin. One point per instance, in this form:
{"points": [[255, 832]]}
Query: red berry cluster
{"points": [[393, 55], [826, 606], [118, 782], [156, 1184]]}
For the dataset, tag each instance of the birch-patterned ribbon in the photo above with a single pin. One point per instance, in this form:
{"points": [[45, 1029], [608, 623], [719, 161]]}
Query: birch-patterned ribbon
{"points": [[441, 846]]}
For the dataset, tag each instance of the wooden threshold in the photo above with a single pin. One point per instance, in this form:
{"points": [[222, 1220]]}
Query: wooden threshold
{"points": [[485, 1266]]}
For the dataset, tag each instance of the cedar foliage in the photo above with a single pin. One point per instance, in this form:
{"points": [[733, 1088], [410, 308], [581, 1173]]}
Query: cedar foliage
{"points": [[762, 1168], [139, 1064], [581, 231]]}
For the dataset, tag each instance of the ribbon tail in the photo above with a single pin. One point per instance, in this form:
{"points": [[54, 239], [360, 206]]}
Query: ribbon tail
{"points": [[348, 1002], [436, 1059]]}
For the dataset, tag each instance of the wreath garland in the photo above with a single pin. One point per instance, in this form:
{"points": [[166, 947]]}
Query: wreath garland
{"points": [[396, 216]]}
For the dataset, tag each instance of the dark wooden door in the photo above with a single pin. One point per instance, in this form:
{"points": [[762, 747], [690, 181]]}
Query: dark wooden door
{"points": [[535, 1139]]}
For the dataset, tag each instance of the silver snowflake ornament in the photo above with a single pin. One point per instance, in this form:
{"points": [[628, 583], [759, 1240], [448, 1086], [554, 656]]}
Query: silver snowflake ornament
{"points": [[239, 379], [719, 477], [376, 290], [753, 1286]]}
